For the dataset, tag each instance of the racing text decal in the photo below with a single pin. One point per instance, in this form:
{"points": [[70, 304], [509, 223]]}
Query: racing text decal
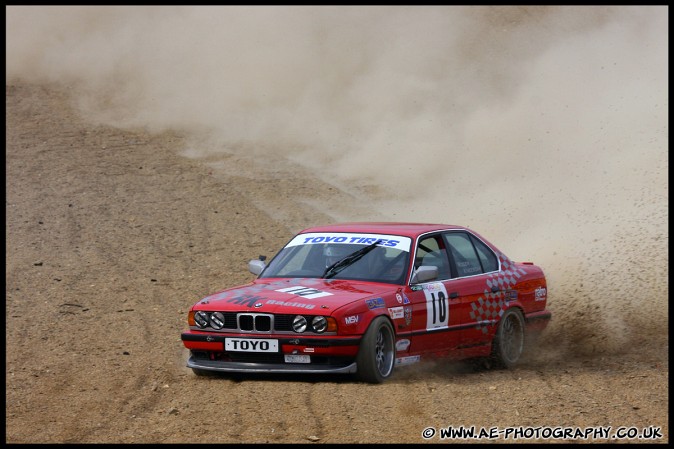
{"points": [[391, 241]]}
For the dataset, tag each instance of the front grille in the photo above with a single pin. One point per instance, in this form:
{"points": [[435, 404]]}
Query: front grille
{"points": [[283, 322], [230, 320], [259, 322], [255, 322]]}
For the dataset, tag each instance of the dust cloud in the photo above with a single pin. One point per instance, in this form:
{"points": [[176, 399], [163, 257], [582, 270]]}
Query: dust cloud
{"points": [[544, 128]]}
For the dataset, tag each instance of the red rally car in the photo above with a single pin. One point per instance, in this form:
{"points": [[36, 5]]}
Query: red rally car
{"points": [[365, 297]]}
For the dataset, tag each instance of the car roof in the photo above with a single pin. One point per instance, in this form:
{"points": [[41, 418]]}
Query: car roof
{"points": [[396, 228]]}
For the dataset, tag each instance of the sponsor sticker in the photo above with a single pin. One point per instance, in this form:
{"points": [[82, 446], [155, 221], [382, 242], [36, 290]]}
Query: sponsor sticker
{"points": [[511, 295], [396, 312], [375, 303], [390, 241], [434, 287], [407, 360], [353, 319], [408, 315], [540, 294], [402, 345]]}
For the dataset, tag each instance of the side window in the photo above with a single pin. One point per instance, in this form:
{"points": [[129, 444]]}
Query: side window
{"points": [[487, 256], [431, 251], [426, 246], [463, 253]]}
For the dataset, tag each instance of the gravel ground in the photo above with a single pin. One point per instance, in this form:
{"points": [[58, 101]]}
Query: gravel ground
{"points": [[111, 236]]}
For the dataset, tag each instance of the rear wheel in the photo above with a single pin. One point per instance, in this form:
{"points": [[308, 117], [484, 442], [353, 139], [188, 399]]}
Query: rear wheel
{"points": [[509, 340], [376, 355]]}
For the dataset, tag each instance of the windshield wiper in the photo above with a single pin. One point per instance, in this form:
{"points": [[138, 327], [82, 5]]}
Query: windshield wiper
{"points": [[346, 261]]}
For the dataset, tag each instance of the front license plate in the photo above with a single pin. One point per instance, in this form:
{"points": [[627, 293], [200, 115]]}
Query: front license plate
{"points": [[251, 345], [295, 358]]}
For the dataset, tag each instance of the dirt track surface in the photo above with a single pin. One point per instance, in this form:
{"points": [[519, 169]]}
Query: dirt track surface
{"points": [[112, 235]]}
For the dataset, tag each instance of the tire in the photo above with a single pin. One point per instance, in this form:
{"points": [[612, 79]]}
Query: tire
{"points": [[376, 356], [509, 339]]}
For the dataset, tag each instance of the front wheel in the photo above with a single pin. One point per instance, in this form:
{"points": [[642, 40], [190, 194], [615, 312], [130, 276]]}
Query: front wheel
{"points": [[509, 339], [376, 355]]}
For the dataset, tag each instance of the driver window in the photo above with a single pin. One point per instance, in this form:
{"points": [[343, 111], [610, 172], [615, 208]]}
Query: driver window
{"points": [[431, 251]]}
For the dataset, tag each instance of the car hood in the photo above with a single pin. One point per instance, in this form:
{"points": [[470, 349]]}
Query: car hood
{"points": [[292, 295]]}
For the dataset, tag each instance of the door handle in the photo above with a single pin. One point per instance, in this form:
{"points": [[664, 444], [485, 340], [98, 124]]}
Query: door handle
{"points": [[453, 295]]}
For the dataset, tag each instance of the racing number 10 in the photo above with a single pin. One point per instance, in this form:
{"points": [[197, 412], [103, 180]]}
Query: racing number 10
{"points": [[436, 306], [441, 307]]}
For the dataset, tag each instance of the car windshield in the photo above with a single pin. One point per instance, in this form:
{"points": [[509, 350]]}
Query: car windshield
{"points": [[364, 257]]}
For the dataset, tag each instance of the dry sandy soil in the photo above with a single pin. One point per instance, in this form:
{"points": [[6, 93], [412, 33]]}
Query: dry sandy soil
{"points": [[112, 235]]}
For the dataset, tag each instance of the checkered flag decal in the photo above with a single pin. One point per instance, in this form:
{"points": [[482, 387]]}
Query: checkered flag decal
{"points": [[488, 308]]}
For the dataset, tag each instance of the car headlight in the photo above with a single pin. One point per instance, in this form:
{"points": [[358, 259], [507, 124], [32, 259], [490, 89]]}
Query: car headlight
{"points": [[217, 320], [299, 324], [319, 324], [201, 319]]}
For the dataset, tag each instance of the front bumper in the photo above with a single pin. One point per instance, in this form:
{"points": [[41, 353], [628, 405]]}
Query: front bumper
{"points": [[328, 354], [242, 367]]}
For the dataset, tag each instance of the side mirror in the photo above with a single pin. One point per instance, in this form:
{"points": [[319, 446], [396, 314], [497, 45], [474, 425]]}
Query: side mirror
{"points": [[423, 274], [256, 266]]}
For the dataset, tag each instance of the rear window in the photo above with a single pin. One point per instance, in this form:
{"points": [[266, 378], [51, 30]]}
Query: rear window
{"points": [[464, 254]]}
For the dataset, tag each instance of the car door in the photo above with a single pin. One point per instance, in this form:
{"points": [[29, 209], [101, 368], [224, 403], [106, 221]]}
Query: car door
{"points": [[477, 302], [436, 323]]}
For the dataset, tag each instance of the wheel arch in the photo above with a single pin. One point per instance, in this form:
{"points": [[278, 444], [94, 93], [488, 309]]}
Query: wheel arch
{"points": [[517, 307], [369, 363], [388, 318]]}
